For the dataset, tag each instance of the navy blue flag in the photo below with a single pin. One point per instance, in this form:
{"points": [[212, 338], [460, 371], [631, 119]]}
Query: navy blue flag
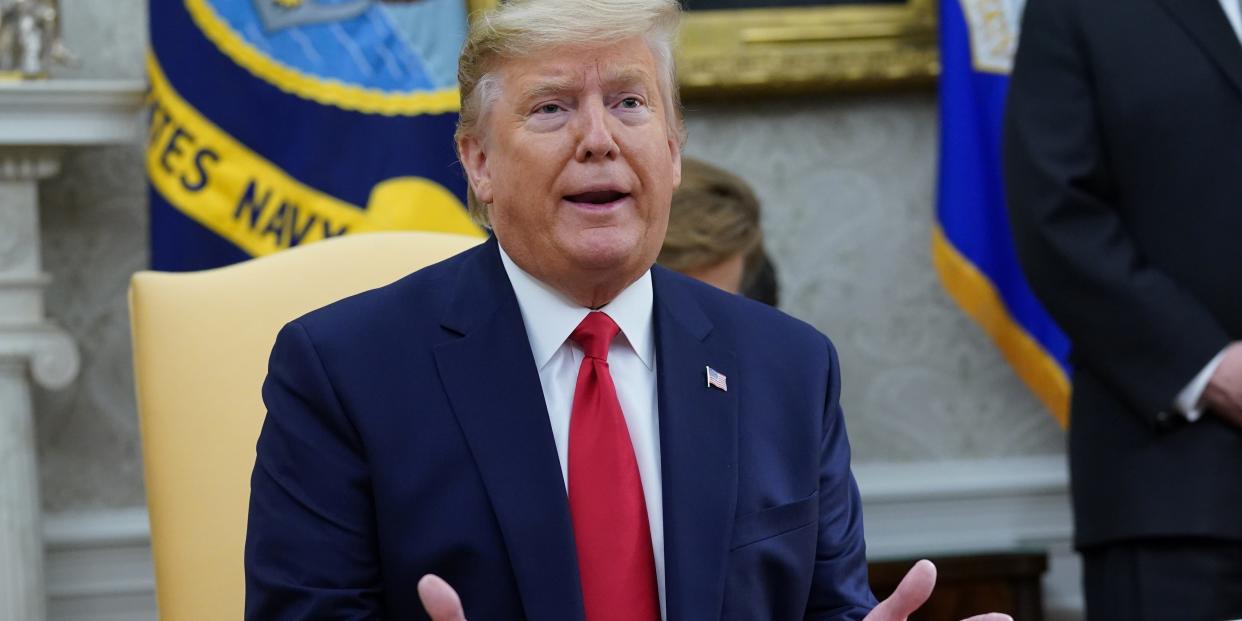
{"points": [[275, 123], [972, 247]]}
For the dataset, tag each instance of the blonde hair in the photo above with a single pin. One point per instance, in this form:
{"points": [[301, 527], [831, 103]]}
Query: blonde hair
{"points": [[715, 216], [519, 28]]}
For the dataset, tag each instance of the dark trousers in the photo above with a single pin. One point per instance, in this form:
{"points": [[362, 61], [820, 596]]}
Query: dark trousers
{"points": [[1192, 579]]}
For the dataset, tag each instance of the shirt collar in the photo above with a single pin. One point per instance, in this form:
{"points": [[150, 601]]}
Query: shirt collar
{"points": [[550, 317]]}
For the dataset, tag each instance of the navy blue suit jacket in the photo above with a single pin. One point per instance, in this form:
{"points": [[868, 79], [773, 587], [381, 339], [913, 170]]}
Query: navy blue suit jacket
{"points": [[407, 433]]}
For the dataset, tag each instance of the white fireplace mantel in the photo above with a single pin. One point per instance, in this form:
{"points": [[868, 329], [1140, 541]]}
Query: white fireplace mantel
{"points": [[70, 113], [39, 121]]}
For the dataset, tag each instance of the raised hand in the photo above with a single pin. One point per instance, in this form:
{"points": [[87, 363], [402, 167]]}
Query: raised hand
{"points": [[442, 603], [439, 599], [913, 592]]}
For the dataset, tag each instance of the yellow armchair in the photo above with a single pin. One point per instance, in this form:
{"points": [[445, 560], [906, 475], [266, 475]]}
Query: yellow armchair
{"points": [[201, 343]]}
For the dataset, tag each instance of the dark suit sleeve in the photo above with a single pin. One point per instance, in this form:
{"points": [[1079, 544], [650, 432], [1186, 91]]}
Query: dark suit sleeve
{"points": [[840, 590], [1129, 322], [310, 544]]}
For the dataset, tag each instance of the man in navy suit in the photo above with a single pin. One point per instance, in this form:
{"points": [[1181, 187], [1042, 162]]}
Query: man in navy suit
{"points": [[548, 423]]}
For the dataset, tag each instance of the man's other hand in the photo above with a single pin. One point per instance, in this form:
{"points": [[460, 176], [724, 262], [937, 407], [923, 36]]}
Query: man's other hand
{"points": [[439, 599], [913, 591], [1223, 394]]}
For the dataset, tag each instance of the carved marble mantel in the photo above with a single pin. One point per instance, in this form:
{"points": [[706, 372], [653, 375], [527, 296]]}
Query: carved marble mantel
{"points": [[38, 122]]}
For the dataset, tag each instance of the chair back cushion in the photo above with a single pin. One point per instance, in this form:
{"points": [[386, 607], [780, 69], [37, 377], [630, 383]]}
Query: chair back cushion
{"points": [[201, 344]]}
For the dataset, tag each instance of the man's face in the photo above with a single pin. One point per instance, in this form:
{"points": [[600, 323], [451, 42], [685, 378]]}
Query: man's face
{"points": [[578, 163]]}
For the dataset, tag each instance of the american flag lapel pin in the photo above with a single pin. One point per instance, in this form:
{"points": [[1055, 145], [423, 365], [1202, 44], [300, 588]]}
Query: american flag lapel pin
{"points": [[716, 379]]}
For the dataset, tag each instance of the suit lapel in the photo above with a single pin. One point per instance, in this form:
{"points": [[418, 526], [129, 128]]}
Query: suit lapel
{"points": [[1207, 25], [698, 451], [494, 388]]}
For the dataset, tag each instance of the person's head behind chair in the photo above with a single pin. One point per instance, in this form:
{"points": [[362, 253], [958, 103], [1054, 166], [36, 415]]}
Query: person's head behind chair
{"points": [[714, 233]]}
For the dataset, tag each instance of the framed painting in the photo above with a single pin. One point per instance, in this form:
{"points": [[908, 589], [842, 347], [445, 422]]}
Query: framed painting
{"points": [[757, 47], [761, 47]]}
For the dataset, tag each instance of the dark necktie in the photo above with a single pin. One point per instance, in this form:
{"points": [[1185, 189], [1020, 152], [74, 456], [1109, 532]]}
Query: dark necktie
{"points": [[611, 532]]}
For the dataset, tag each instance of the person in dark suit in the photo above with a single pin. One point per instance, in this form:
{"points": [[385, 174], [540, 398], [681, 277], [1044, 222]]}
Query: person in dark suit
{"points": [[547, 427], [1123, 167]]}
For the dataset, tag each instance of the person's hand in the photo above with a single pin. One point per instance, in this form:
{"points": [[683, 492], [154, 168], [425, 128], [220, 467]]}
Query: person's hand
{"points": [[442, 604], [1223, 395], [439, 599], [913, 591]]}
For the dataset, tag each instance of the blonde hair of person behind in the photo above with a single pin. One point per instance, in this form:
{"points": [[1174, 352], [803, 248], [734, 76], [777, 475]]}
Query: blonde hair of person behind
{"points": [[519, 28], [715, 216]]}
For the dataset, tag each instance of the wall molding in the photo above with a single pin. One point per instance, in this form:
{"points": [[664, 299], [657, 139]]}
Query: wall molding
{"points": [[99, 562], [951, 507], [98, 566], [964, 505]]}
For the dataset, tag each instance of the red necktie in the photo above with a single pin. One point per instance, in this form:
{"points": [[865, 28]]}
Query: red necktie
{"points": [[615, 560]]}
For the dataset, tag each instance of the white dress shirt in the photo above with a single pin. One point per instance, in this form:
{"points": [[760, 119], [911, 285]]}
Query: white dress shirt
{"points": [[1233, 10], [1188, 400], [550, 318]]}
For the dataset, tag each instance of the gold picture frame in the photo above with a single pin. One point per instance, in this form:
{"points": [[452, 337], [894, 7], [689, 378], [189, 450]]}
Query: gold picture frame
{"points": [[855, 46], [474, 6], [787, 50]]}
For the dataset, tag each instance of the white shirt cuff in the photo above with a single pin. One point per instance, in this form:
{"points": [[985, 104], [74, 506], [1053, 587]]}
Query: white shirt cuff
{"points": [[1188, 399]]}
